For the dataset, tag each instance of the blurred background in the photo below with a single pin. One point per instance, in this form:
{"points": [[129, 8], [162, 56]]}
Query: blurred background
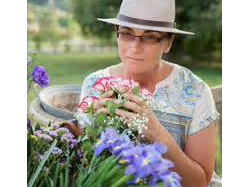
{"points": [[72, 43]]}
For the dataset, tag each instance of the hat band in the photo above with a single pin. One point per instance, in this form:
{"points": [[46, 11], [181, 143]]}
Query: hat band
{"points": [[146, 22]]}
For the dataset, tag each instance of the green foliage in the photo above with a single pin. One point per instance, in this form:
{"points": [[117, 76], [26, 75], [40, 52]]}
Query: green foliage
{"points": [[204, 18], [86, 13]]}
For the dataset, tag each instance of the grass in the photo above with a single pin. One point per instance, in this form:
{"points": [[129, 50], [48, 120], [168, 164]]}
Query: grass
{"points": [[72, 68]]}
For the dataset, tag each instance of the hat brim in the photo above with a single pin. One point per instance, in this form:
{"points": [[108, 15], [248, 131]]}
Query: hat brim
{"points": [[116, 21]]}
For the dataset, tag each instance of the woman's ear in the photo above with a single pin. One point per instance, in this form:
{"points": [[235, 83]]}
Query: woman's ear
{"points": [[169, 43]]}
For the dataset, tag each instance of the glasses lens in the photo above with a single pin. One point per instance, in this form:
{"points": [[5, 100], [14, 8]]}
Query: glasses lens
{"points": [[126, 36], [150, 39], [147, 39]]}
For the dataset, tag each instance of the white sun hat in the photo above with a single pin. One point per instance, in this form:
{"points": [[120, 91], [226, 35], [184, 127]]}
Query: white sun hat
{"points": [[157, 15]]}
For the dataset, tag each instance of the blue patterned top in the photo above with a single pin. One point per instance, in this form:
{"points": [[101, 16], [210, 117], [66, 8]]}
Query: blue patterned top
{"points": [[186, 102]]}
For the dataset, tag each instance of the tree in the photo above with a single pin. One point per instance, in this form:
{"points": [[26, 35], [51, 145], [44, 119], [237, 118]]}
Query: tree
{"points": [[86, 13]]}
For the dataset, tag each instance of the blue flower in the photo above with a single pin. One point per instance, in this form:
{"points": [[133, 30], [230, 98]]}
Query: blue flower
{"points": [[40, 76], [171, 179], [107, 140], [28, 124], [161, 148], [122, 143]]}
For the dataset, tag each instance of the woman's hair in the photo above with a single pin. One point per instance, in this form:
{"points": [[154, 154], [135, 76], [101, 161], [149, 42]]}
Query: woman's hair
{"points": [[169, 33]]}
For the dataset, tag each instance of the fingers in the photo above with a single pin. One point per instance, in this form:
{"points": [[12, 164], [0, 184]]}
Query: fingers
{"points": [[127, 115], [135, 99], [102, 109], [107, 94], [101, 103], [133, 106]]}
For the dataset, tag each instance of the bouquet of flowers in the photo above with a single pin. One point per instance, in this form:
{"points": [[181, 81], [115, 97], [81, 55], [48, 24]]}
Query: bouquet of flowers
{"points": [[108, 153], [119, 86]]}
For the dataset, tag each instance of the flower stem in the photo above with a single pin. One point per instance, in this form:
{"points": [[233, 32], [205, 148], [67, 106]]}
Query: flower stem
{"points": [[29, 86]]}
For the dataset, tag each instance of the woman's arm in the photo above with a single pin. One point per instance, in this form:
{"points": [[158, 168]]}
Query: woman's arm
{"points": [[196, 163], [73, 126]]}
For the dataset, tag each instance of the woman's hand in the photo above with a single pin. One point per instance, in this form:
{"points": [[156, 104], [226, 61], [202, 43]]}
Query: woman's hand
{"points": [[99, 105], [140, 109]]}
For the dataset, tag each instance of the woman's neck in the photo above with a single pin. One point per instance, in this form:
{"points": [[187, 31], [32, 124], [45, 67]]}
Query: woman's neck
{"points": [[146, 80]]}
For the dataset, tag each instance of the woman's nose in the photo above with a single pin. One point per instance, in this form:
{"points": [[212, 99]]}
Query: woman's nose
{"points": [[136, 44]]}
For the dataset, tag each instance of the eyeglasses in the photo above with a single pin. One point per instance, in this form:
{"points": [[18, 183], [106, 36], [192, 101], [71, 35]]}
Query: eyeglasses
{"points": [[147, 39]]}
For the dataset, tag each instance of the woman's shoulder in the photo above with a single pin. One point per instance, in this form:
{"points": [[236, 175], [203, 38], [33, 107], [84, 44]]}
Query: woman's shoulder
{"points": [[188, 81], [92, 77], [182, 89]]}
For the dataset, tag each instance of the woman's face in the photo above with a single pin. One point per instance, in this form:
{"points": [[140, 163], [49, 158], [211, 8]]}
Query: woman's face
{"points": [[141, 55]]}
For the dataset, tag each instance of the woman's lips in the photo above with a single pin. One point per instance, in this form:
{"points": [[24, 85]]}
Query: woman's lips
{"points": [[136, 59]]}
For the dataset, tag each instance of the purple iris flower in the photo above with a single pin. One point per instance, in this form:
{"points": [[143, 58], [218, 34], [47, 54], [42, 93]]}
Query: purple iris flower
{"points": [[161, 148], [40, 76], [122, 144], [108, 138], [28, 124], [171, 179]]}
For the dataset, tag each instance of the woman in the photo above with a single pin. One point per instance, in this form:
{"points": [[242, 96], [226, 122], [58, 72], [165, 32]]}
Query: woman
{"points": [[186, 122]]}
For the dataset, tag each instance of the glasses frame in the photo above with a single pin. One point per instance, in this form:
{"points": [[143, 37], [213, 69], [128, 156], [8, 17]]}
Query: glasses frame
{"points": [[158, 39]]}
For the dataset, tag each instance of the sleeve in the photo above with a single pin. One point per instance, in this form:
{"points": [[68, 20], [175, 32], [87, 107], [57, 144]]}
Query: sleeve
{"points": [[87, 90], [87, 84], [204, 112]]}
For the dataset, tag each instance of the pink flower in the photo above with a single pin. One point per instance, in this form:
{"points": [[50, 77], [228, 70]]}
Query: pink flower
{"points": [[119, 86], [102, 84], [86, 101]]}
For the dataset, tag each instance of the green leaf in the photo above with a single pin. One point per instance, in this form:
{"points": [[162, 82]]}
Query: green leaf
{"points": [[100, 170], [122, 180], [33, 178], [56, 173], [87, 144], [100, 118], [111, 107], [37, 127], [114, 171], [91, 131], [102, 175], [136, 90], [91, 109]]}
